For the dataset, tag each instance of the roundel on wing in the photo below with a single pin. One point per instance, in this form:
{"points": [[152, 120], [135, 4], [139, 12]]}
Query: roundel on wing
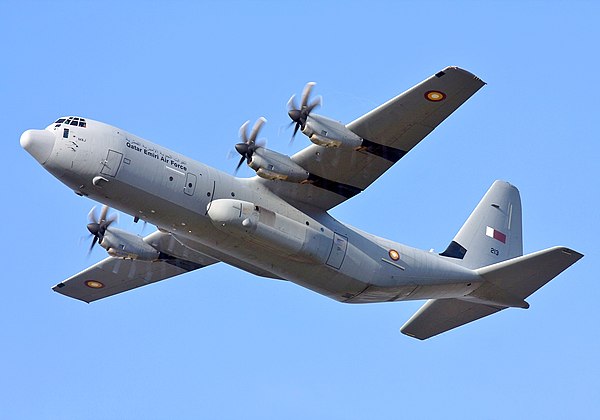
{"points": [[94, 284], [435, 96]]}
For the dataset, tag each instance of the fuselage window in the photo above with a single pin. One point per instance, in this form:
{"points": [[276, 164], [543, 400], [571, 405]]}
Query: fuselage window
{"points": [[82, 124], [66, 133], [73, 122]]}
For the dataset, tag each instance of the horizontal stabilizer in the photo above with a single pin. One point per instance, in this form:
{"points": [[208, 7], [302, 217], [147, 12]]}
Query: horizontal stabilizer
{"points": [[506, 284], [524, 275], [491, 294], [440, 315]]}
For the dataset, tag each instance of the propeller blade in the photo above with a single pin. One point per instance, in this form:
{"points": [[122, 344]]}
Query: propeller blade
{"points": [[317, 102], [295, 131], [291, 104], [306, 93], [92, 245], [103, 214], [257, 126], [262, 142], [230, 154], [244, 132], [239, 164], [113, 218], [92, 215]]}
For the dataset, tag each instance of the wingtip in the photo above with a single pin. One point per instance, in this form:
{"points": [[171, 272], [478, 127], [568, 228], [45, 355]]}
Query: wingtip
{"points": [[408, 334], [463, 71], [569, 251], [58, 286]]}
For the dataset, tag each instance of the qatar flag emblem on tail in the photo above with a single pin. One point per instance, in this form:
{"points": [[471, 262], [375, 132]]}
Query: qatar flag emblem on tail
{"points": [[496, 234]]}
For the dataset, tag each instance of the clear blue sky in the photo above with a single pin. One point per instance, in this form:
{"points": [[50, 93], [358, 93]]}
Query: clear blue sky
{"points": [[221, 343]]}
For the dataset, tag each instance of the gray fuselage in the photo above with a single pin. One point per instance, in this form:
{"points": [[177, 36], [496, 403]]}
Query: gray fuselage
{"points": [[281, 240]]}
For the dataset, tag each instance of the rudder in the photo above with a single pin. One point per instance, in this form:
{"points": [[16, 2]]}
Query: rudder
{"points": [[493, 232]]}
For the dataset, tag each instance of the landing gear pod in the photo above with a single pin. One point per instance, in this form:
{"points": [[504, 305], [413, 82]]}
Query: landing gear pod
{"points": [[265, 227]]}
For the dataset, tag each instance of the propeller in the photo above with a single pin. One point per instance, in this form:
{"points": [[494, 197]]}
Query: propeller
{"points": [[300, 114], [249, 145], [98, 224]]}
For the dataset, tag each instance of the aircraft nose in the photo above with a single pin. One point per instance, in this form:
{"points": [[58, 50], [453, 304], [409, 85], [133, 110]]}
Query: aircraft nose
{"points": [[38, 143]]}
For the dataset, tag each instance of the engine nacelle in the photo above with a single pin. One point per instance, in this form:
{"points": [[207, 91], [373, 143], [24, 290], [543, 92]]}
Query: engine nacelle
{"points": [[276, 166], [326, 132], [267, 228], [122, 244]]}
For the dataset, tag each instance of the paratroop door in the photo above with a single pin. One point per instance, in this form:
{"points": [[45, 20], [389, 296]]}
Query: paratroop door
{"points": [[338, 251]]}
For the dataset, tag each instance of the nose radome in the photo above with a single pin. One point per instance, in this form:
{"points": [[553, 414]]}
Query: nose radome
{"points": [[38, 143]]}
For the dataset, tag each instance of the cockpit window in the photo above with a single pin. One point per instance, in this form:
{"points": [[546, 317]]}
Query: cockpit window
{"points": [[76, 121]]}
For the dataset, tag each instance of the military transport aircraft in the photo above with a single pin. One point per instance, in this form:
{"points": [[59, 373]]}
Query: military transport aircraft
{"points": [[277, 224]]}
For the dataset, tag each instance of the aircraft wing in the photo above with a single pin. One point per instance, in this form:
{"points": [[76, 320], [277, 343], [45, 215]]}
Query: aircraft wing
{"points": [[116, 275], [389, 132]]}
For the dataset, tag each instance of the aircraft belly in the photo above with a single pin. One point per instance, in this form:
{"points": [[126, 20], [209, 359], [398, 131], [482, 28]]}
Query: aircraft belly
{"points": [[414, 291], [415, 274]]}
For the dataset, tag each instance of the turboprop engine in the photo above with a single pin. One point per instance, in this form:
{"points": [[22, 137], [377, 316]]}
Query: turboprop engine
{"points": [[329, 133], [122, 244], [273, 165], [267, 163], [320, 130], [117, 242], [267, 228]]}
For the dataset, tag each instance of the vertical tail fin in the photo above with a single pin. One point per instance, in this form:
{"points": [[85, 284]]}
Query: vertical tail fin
{"points": [[493, 232]]}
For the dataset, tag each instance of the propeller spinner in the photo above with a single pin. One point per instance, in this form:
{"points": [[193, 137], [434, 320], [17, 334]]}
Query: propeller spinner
{"points": [[300, 114]]}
